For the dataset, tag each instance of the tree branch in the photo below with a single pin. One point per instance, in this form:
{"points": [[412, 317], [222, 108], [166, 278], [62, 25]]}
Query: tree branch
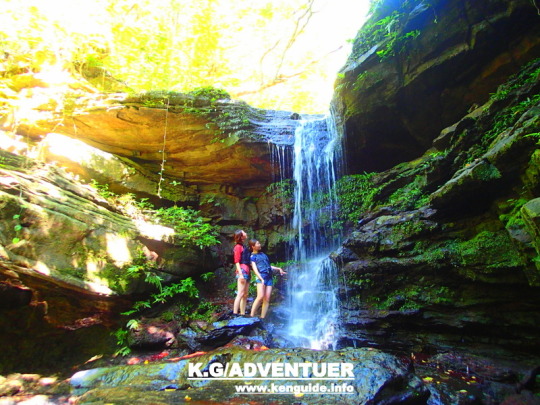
{"points": [[280, 79]]}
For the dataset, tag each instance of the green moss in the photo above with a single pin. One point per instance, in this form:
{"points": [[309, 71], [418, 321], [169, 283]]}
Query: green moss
{"points": [[365, 80], [228, 121], [486, 172], [529, 74], [11, 161], [513, 218], [508, 117], [360, 282], [397, 43], [116, 278], [356, 195], [410, 228], [488, 250], [531, 176], [168, 316], [515, 105], [416, 297], [387, 25], [211, 93], [410, 196], [434, 254]]}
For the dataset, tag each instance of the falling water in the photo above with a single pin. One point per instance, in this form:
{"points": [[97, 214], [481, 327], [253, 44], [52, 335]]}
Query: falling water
{"points": [[313, 282]]}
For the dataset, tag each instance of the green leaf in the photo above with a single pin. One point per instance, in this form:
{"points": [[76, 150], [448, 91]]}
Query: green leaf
{"points": [[133, 324], [124, 351]]}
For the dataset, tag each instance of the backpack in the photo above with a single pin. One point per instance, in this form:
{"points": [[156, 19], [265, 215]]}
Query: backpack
{"points": [[245, 257]]}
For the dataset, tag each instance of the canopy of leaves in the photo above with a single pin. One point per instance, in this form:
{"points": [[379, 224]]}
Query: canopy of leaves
{"points": [[276, 54]]}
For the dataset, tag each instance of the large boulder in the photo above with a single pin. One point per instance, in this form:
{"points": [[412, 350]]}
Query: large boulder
{"points": [[376, 378]]}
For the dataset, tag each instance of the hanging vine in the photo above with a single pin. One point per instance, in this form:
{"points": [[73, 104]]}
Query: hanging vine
{"points": [[163, 155]]}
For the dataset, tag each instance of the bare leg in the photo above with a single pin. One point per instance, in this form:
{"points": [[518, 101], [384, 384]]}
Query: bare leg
{"points": [[258, 300], [239, 294], [266, 300], [243, 300]]}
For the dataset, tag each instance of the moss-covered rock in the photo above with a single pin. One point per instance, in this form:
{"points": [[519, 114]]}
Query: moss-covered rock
{"points": [[417, 67], [449, 243], [478, 177], [376, 376], [489, 256], [531, 216]]}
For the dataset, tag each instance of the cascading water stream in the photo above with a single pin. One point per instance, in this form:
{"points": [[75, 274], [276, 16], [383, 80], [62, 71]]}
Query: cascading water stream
{"points": [[312, 302]]}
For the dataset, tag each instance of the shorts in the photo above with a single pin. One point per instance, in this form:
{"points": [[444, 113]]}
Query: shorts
{"points": [[245, 272], [268, 279]]}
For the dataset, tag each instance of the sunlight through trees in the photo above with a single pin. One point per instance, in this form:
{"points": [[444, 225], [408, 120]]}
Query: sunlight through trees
{"points": [[280, 54]]}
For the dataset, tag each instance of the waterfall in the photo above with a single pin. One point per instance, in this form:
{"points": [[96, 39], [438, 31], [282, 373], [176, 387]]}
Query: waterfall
{"points": [[312, 285]]}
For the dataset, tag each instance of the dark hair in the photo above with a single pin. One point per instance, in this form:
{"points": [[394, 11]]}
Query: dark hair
{"points": [[252, 243], [238, 235]]}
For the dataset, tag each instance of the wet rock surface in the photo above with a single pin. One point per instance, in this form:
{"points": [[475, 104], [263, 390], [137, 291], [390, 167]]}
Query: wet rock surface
{"points": [[377, 377], [450, 377]]}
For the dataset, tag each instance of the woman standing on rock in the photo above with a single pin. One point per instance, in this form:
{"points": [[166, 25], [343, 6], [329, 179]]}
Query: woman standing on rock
{"points": [[242, 262], [263, 269]]}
